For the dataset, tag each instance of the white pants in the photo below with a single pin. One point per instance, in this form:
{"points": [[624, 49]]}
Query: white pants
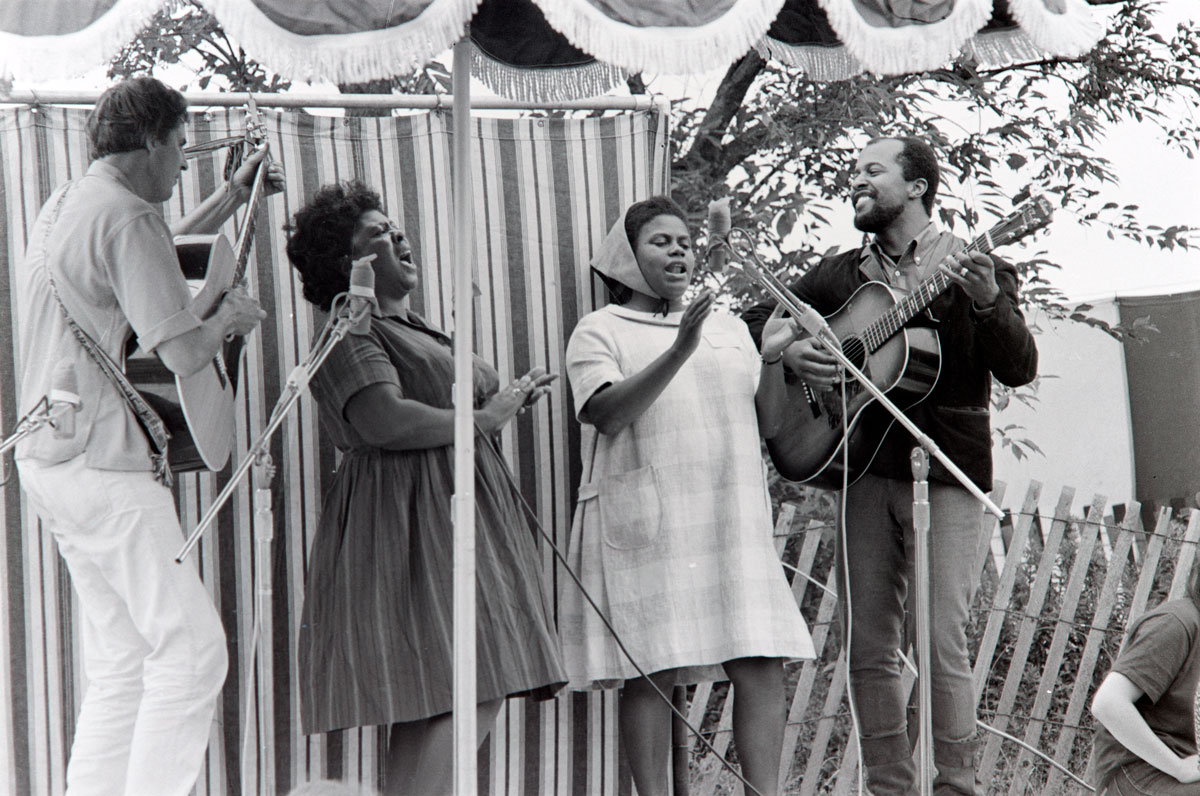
{"points": [[153, 645]]}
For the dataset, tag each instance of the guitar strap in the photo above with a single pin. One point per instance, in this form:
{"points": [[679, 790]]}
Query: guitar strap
{"points": [[151, 424]]}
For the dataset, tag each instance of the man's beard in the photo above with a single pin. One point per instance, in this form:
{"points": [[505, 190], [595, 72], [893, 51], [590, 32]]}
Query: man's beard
{"points": [[878, 218]]}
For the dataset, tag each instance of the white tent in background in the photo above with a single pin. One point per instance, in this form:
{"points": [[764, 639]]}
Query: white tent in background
{"points": [[1121, 416]]}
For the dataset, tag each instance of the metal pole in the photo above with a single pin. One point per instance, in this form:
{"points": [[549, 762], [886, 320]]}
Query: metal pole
{"points": [[920, 471], [264, 535], [464, 719]]}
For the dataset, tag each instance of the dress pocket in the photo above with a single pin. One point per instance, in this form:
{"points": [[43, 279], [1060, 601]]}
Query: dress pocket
{"points": [[630, 509]]}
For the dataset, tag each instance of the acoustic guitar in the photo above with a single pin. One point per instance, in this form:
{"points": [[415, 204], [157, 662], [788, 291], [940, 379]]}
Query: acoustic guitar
{"points": [[903, 362], [198, 410]]}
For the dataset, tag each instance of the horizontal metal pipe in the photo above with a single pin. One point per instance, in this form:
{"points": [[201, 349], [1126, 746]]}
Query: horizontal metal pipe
{"points": [[313, 100]]}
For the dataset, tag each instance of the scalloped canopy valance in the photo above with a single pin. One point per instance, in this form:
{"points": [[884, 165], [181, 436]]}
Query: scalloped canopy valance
{"points": [[558, 49]]}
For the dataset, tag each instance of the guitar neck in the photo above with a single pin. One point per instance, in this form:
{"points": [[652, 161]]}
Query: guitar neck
{"points": [[876, 334], [254, 133], [245, 238], [908, 307]]}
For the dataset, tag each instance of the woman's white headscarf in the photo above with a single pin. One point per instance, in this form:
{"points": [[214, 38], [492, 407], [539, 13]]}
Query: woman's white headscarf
{"points": [[616, 259]]}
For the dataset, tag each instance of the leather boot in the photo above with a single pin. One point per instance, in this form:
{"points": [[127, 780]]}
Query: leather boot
{"points": [[889, 765], [955, 763]]}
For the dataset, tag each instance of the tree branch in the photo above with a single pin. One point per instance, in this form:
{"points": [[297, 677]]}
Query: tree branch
{"points": [[705, 152]]}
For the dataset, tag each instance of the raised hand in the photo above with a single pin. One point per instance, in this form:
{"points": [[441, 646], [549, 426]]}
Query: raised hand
{"points": [[691, 325], [777, 334]]}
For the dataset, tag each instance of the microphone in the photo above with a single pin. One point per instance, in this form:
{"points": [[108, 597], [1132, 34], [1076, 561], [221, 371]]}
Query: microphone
{"points": [[63, 399], [811, 321], [362, 294], [719, 223]]}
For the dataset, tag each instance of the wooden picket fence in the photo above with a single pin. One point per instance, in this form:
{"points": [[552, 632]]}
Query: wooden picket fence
{"points": [[1055, 591]]}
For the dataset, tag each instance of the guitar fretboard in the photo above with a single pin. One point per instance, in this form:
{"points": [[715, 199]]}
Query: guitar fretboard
{"points": [[1011, 228], [254, 135]]}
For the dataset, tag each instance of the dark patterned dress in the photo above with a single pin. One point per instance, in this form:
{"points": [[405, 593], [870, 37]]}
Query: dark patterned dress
{"points": [[376, 629]]}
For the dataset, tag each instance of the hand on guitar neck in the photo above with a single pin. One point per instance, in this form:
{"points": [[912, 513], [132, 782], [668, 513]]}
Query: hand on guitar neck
{"points": [[217, 208], [975, 273], [242, 181]]}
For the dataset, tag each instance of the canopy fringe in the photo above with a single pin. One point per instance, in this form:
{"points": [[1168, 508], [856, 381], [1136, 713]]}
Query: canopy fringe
{"points": [[348, 57], [825, 63], [912, 48], [67, 55], [1069, 34], [1001, 48], [662, 49], [993, 49], [545, 84]]}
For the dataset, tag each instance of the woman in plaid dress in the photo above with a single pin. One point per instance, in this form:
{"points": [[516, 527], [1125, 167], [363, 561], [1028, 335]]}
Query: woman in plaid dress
{"points": [[672, 531]]}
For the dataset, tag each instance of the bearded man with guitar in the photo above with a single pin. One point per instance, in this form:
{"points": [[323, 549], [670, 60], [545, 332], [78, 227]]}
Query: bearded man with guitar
{"points": [[101, 253], [976, 327]]}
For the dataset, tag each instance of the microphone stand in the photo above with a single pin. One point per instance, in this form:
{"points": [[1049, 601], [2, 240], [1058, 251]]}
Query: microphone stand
{"points": [[819, 329], [263, 529], [920, 470], [38, 417]]}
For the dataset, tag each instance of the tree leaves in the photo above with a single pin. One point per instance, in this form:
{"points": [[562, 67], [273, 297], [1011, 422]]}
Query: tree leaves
{"points": [[775, 141]]}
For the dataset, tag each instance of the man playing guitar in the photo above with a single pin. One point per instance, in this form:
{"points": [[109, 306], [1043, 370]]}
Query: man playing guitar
{"points": [[153, 643], [982, 334]]}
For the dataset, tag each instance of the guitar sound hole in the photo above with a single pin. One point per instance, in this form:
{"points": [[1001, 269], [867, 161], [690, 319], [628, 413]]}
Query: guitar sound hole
{"points": [[855, 351]]}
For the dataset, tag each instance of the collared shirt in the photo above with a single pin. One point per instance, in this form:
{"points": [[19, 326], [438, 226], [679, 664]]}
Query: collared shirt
{"points": [[917, 263], [113, 259]]}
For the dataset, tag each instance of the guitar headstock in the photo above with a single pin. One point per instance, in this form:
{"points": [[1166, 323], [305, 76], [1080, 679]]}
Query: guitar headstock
{"points": [[1031, 215], [256, 131], [255, 134]]}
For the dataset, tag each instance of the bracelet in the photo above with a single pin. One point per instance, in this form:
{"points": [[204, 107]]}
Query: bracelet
{"points": [[774, 361]]}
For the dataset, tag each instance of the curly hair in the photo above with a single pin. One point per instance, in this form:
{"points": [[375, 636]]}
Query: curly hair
{"points": [[320, 236], [132, 111]]}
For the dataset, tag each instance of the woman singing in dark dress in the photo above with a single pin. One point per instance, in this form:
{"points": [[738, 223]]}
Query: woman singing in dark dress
{"points": [[375, 636]]}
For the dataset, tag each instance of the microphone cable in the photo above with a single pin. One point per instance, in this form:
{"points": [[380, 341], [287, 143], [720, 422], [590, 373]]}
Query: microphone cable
{"points": [[562, 559]]}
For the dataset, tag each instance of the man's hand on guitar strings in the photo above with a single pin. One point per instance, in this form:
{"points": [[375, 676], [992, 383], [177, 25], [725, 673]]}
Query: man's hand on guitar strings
{"points": [[809, 359], [975, 273], [240, 312]]}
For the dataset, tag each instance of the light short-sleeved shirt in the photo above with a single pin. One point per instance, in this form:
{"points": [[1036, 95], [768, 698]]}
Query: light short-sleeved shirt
{"points": [[113, 259]]}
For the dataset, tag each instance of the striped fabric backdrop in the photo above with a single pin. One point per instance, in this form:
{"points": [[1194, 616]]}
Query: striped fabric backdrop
{"points": [[546, 191]]}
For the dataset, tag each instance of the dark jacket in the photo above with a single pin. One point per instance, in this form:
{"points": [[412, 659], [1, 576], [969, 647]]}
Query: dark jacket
{"points": [[975, 347]]}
